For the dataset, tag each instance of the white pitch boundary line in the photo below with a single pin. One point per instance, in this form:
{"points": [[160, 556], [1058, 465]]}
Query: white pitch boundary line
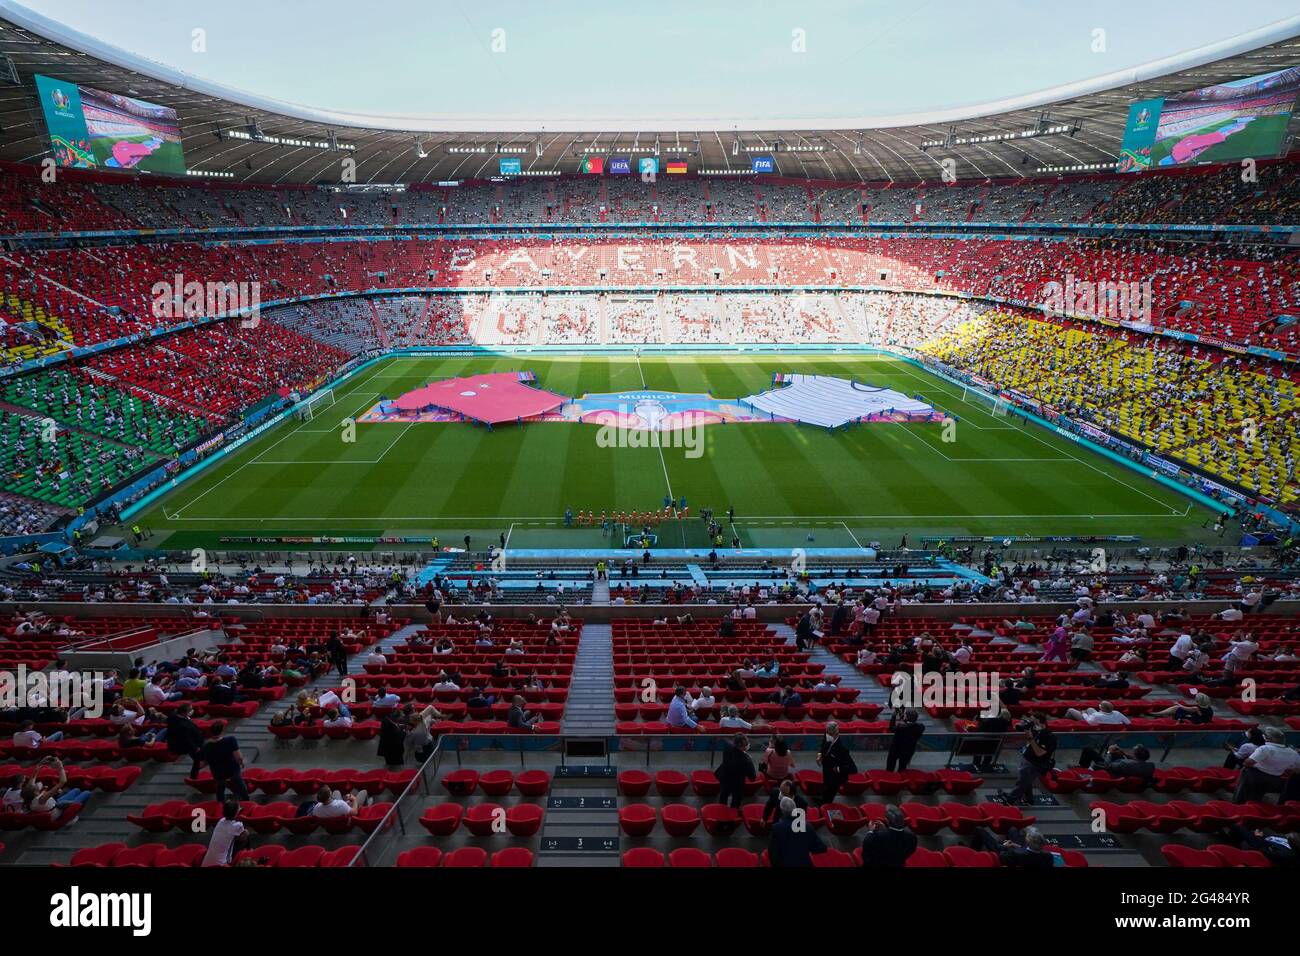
{"points": [[851, 534], [385, 452], [984, 428], [1070, 455], [287, 435], [663, 464]]}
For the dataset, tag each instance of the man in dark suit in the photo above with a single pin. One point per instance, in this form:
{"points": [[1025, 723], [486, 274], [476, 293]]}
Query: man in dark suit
{"points": [[836, 762], [1280, 850], [889, 843], [908, 731], [337, 653], [736, 767], [184, 736], [772, 809], [804, 637], [1120, 763], [1023, 849], [793, 840]]}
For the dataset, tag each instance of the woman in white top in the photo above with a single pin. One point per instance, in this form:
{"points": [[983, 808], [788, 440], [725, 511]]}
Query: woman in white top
{"points": [[53, 799]]}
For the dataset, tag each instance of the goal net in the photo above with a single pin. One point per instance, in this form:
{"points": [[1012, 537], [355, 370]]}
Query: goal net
{"points": [[986, 402], [317, 403]]}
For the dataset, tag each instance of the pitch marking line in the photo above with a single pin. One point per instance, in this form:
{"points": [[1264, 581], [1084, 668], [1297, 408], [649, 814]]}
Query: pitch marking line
{"points": [[283, 438], [663, 464], [1069, 454]]}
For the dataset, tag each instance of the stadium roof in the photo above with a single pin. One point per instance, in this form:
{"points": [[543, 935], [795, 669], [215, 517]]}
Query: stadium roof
{"points": [[1089, 116]]}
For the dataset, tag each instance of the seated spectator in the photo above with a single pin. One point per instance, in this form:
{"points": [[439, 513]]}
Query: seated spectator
{"points": [[1200, 712], [519, 718], [1119, 763], [331, 804], [778, 763], [1019, 848], [889, 843], [1103, 714]]}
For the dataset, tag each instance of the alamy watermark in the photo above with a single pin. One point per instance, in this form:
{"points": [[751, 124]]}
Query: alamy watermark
{"points": [[179, 299], [61, 690], [951, 689], [1106, 299], [687, 434]]}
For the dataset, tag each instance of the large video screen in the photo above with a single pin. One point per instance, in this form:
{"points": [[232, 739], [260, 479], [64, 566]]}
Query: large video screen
{"points": [[91, 129], [1215, 124]]}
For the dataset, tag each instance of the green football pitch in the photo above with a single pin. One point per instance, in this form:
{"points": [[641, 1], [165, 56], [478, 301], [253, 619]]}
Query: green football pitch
{"points": [[790, 485]]}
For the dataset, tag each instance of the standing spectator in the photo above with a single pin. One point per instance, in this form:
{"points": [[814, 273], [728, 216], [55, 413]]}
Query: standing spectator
{"points": [[1037, 757], [793, 840], [1268, 768], [228, 837], [223, 758], [836, 762], [184, 736], [736, 767], [392, 739], [907, 734], [337, 653]]}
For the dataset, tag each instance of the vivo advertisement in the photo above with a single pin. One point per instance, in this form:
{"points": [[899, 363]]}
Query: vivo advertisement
{"points": [[509, 167]]}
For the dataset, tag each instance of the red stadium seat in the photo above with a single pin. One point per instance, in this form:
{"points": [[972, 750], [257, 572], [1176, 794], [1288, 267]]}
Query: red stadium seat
{"points": [[634, 783], [461, 783], [442, 819], [637, 819], [671, 783], [1184, 856], [736, 858], [515, 857], [680, 820], [422, 856], [496, 783], [719, 820], [466, 857], [923, 858], [102, 855], [685, 857], [643, 857], [524, 820], [533, 783], [306, 856], [485, 819]]}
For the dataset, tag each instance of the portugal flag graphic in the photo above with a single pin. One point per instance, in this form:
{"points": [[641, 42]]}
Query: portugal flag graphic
{"points": [[593, 164]]}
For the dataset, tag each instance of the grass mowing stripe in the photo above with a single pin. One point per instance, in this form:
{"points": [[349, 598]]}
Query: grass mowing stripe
{"points": [[864, 481]]}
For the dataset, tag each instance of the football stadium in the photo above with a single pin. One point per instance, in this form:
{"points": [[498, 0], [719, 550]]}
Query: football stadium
{"points": [[774, 465]]}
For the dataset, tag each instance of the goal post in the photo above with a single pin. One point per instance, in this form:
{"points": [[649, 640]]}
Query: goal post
{"points": [[985, 401], [317, 403]]}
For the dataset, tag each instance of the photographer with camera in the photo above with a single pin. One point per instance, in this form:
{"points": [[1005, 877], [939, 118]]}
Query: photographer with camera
{"points": [[1037, 757]]}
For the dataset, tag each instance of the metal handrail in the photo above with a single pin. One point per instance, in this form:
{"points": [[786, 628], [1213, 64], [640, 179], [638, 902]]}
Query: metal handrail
{"points": [[421, 778]]}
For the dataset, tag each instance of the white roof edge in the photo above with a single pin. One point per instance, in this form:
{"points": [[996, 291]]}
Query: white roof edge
{"points": [[408, 123]]}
